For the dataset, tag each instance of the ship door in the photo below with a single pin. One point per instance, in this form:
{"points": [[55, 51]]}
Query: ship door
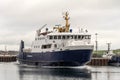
{"points": [[55, 45]]}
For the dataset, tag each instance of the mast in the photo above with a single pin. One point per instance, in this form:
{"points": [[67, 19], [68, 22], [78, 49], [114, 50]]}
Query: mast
{"points": [[67, 25], [108, 44]]}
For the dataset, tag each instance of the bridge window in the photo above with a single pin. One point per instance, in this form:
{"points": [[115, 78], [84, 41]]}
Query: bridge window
{"points": [[50, 37], [89, 37], [55, 37], [82, 37], [86, 37], [71, 36], [75, 37], [68, 36], [63, 37], [79, 37], [59, 37]]}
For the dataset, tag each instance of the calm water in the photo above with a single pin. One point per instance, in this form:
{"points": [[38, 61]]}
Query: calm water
{"points": [[13, 71]]}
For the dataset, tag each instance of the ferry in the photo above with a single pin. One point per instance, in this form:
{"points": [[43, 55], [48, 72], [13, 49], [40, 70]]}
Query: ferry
{"points": [[58, 47]]}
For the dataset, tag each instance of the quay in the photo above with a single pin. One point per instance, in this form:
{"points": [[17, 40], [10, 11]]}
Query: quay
{"points": [[99, 62], [8, 58], [93, 62]]}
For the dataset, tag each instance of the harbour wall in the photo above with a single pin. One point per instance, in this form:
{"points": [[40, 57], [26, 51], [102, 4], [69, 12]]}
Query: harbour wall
{"points": [[8, 58], [98, 62]]}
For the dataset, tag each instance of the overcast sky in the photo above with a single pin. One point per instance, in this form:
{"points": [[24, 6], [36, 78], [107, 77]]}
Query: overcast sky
{"points": [[19, 19]]}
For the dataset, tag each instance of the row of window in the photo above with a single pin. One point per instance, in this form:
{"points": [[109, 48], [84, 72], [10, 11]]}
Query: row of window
{"points": [[44, 46], [47, 46], [39, 38], [70, 37]]}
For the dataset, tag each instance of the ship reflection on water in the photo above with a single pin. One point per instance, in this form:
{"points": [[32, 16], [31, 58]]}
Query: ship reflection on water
{"points": [[26, 73], [13, 71]]}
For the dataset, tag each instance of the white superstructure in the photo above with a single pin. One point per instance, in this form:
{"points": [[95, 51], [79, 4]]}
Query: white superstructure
{"points": [[60, 39]]}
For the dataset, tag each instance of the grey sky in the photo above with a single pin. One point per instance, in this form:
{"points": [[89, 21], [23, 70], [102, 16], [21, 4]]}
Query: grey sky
{"points": [[19, 19]]}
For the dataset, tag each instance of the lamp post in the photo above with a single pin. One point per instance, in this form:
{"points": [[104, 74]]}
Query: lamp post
{"points": [[96, 42], [109, 45]]}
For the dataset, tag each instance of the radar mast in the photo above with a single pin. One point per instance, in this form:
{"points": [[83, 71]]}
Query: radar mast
{"points": [[67, 25]]}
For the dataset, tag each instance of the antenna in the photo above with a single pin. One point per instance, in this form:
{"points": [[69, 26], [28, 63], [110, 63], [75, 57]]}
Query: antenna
{"points": [[42, 26], [58, 25]]}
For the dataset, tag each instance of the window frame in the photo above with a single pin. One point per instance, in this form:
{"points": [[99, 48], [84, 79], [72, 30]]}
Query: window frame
{"points": [[50, 37]]}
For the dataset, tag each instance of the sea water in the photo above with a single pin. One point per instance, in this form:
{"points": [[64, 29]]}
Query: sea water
{"points": [[15, 71]]}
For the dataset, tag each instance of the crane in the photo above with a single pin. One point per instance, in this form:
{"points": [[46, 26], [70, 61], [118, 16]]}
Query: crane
{"points": [[38, 31]]}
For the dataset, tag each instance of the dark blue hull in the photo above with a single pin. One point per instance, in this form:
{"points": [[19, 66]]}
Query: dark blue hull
{"points": [[59, 58]]}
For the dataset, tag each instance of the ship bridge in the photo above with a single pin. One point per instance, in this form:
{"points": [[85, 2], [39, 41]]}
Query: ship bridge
{"points": [[64, 36]]}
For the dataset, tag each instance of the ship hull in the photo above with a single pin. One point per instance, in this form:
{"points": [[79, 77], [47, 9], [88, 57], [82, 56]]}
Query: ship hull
{"points": [[57, 58]]}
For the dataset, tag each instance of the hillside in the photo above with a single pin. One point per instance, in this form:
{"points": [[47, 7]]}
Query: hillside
{"points": [[99, 53]]}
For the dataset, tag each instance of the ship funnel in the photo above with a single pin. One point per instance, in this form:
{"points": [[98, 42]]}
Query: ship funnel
{"points": [[21, 46]]}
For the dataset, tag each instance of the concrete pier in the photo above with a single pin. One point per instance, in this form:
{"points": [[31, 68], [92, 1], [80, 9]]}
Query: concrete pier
{"points": [[98, 62], [7, 58]]}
